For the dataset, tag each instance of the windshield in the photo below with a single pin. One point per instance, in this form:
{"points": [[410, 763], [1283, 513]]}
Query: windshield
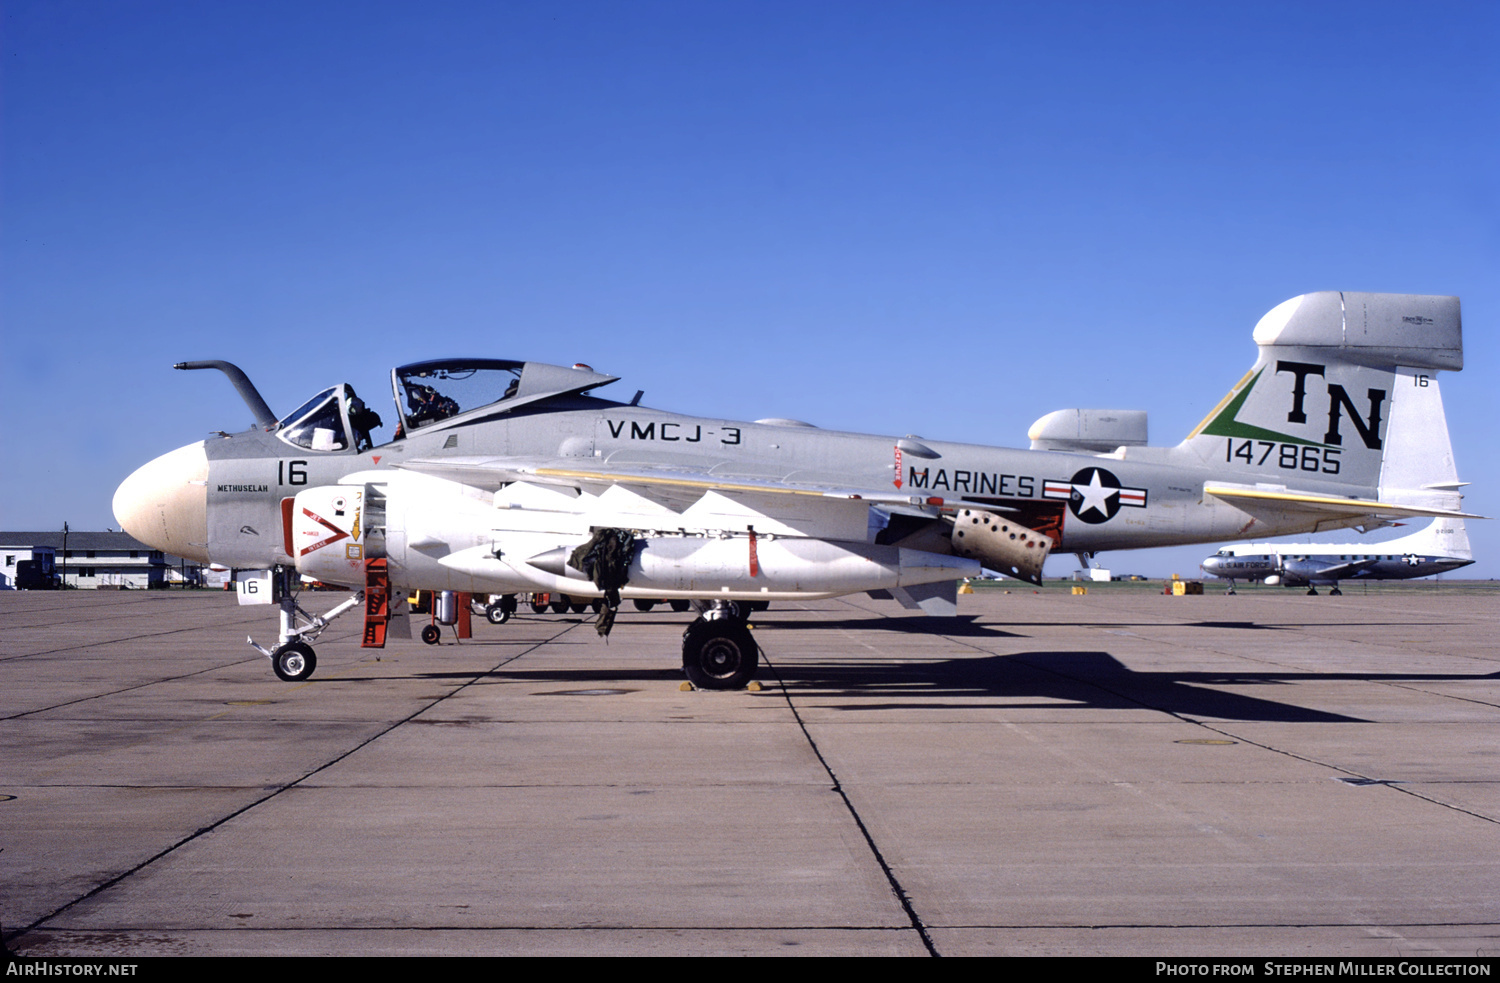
{"points": [[427, 392]]}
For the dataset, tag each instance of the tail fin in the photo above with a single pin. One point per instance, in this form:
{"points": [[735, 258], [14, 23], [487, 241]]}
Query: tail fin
{"points": [[1443, 537], [1343, 399]]}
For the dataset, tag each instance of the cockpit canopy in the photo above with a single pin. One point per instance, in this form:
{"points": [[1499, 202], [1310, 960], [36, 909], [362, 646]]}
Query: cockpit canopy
{"points": [[430, 392], [318, 424], [334, 420], [465, 390], [427, 392]]}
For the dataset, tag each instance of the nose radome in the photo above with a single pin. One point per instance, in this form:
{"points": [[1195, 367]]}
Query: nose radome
{"points": [[164, 503]]}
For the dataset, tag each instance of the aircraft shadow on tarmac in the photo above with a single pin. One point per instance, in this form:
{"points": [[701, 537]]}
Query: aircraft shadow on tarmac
{"points": [[1085, 680], [958, 626], [1065, 679], [969, 626]]}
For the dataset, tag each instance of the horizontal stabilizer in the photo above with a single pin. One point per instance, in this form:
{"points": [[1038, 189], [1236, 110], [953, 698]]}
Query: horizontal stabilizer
{"points": [[1253, 500]]}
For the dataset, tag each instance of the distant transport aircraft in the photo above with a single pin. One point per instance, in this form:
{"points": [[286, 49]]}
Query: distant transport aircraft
{"points": [[1442, 546]]}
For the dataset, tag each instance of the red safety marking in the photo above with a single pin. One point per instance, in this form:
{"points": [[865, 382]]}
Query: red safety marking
{"points": [[754, 560], [897, 482], [286, 524]]}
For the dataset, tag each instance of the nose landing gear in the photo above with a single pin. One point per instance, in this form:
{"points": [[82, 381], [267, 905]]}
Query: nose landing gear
{"points": [[293, 660]]}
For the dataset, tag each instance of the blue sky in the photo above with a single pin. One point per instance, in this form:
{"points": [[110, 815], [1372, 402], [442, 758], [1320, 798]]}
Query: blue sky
{"points": [[818, 210]]}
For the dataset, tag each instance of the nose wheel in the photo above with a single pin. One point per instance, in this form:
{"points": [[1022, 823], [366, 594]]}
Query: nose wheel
{"points": [[294, 662]]}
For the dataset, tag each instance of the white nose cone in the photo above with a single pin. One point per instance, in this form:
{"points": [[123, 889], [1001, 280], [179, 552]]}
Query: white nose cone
{"points": [[164, 504]]}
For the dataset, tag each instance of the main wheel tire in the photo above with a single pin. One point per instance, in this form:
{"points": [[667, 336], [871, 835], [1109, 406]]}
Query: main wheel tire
{"points": [[719, 654], [759, 605], [293, 662], [643, 605], [578, 607], [497, 614], [681, 604], [431, 634], [596, 605], [560, 604]]}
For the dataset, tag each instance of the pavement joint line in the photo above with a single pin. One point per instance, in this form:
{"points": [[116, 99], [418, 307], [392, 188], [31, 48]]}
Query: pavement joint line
{"points": [[123, 638], [1402, 788], [601, 927], [127, 689], [1211, 926], [1263, 746], [890, 875], [1395, 784], [64, 608], [202, 830], [1289, 666], [127, 638], [1447, 696]]}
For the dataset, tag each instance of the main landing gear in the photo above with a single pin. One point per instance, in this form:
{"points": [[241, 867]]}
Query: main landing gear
{"points": [[293, 659], [717, 649]]}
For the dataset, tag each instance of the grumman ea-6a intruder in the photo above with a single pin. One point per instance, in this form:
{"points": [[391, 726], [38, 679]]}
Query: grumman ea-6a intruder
{"points": [[508, 477]]}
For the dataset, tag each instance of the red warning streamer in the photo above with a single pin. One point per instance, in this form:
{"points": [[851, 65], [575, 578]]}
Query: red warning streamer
{"points": [[754, 560]]}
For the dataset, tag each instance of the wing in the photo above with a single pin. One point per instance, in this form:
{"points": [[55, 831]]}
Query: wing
{"points": [[677, 496], [1318, 570], [721, 498]]}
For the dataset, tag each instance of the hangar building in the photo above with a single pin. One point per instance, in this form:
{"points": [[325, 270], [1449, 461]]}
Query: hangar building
{"points": [[97, 559]]}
